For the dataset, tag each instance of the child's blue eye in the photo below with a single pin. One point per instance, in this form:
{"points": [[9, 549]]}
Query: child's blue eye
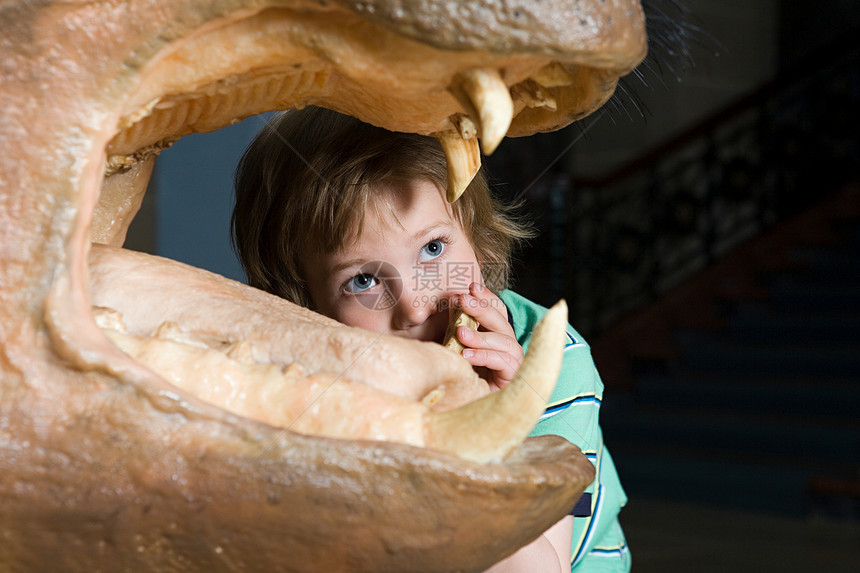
{"points": [[431, 250], [360, 283]]}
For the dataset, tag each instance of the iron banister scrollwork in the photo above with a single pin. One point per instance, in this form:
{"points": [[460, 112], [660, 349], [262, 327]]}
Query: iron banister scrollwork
{"points": [[633, 235]]}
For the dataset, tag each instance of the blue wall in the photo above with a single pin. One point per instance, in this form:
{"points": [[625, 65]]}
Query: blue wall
{"points": [[194, 183]]}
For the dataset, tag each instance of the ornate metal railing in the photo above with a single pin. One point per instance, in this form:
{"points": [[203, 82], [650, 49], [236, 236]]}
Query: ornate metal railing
{"points": [[618, 242]]}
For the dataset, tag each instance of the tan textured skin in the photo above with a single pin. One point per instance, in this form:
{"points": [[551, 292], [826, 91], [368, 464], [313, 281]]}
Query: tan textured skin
{"points": [[239, 365], [106, 467]]}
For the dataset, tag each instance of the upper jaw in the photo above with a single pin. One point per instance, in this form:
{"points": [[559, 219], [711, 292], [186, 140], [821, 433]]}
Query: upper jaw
{"points": [[471, 96]]}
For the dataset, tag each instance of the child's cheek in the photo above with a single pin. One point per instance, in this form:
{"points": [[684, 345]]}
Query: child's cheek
{"points": [[358, 311]]}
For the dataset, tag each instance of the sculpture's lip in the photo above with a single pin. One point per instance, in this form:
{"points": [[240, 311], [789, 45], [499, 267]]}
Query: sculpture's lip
{"points": [[548, 88], [111, 465], [281, 64], [174, 77], [536, 27]]}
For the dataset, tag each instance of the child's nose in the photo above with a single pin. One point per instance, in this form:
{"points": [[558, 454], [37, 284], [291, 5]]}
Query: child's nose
{"points": [[419, 304], [414, 308]]}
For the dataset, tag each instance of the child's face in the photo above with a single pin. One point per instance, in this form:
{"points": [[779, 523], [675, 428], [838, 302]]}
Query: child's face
{"points": [[399, 275]]}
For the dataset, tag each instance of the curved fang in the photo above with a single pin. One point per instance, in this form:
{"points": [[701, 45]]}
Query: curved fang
{"points": [[486, 430], [464, 161], [485, 96]]}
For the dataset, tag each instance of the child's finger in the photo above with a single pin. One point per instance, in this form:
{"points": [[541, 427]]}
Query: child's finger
{"points": [[489, 311], [502, 365], [487, 298], [500, 354], [490, 341]]}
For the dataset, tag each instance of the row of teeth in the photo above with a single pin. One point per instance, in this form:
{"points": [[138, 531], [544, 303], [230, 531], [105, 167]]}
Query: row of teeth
{"points": [[490, 107], [228, 375]]}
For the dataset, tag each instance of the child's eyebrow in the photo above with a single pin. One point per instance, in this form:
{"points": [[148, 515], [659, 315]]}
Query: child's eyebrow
{"points": [[429, 229], [347, 264]]}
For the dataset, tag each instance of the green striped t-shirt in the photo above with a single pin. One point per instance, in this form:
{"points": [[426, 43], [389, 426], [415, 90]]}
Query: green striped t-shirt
{"points": [[573, 413]]}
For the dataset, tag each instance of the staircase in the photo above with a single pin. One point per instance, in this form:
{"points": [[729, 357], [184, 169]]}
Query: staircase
{"points": [[742, 387]]}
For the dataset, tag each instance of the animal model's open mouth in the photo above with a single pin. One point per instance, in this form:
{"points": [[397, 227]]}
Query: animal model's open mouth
{"points": [[370, 65], [137, 460]]}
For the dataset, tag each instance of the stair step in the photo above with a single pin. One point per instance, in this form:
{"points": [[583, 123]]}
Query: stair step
{"points": [[725, 480], [757, 322], [851, 232], [800, 294], [707, 352], [835, 497], [762, 414], [798, 438], [828, 259], [806, 397]]}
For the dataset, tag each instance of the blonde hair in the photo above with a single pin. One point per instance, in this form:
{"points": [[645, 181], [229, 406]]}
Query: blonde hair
{"points": [[307, 178]]}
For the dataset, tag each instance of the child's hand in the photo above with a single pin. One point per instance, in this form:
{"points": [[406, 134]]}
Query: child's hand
{"points": [[493, 350]]}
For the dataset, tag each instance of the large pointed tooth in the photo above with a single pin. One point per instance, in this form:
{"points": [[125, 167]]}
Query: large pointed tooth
{"points": [[433, 397], [532, 94], [108, 318], [242, 352], [486, 430], [485, 96], [465, 126], [464, 160], [553, 75], [169, 330]]}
